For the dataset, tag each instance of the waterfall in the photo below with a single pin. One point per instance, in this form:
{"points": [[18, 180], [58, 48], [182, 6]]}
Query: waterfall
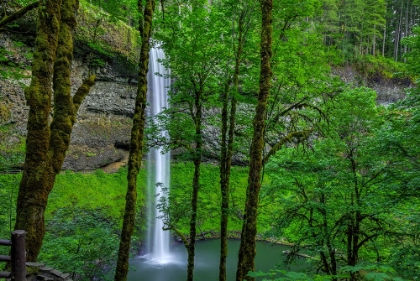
{"points": [[158, 168]]}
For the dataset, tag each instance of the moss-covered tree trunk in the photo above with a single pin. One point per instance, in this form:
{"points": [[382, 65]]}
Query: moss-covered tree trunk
{"points": [[247, 250], [198, 100], [32, 196], [136, 142], [47, 143], [227, 151]]}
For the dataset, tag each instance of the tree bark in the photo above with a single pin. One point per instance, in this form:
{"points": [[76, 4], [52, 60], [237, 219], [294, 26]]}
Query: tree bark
{"points": [[198, 96], [397, 36], [227, 151], [224, 186], [136, 143], [46, 144], [247, 250]]}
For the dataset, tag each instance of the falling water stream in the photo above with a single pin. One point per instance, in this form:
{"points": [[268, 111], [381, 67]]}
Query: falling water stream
{"points": [[157, 162], [162, 260]]}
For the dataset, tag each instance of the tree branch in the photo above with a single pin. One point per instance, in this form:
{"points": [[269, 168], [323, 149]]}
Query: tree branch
{"points": [[18, 14], [179, 233], [286, 139], [82, 92]]}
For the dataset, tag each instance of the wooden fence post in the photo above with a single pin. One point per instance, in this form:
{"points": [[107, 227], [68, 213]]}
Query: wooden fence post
{"points": [[18, 256]]}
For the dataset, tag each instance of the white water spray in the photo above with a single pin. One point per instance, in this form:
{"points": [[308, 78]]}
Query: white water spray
{"points": [[158, 163]]}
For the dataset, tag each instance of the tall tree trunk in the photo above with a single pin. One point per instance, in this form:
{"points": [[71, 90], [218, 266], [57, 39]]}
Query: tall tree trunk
{"points": [[407, 30], [249, 228], [32, 199], [46, 144], [374, 41], [136, 142], [227, 151], [384, 41], [397, 36], [198, 96], [224, 186]]}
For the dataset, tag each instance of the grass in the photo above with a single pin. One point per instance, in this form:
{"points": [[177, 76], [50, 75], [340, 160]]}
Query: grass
{"points": [[106, 193], [85, 211]]}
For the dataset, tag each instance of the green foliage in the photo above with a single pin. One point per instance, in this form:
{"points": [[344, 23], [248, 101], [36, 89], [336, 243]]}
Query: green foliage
{"points": [[372, 272], [82, 242], [381, 68], [12, 150], [413, 42], [85, 211], [10, 68], [106, 35], [283, 275], [83, 218], [208, 219], [123, 10], [9, 186], [400, 139], [80, 189], [361, 26], [345, 181]]}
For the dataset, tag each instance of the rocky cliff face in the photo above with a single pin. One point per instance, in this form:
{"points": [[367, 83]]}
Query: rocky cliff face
{"points": [[101, 134], [100, 137], [388, 90]]}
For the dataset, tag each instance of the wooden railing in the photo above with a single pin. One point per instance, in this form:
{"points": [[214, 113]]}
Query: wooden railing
{"points": [[17, 259]]}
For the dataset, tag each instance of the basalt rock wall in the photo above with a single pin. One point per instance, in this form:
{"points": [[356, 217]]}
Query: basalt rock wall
{"points": [[101, 135]]}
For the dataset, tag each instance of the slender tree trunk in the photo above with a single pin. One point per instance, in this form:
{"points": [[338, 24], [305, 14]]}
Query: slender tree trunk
{"points": [[136, 143], [384, 41], [249, 228], [374, 41], [355, 219], [331, 267], [198, 96], [227, 152], [224, 186], [397, 36], [46, 144], [406, 26]]}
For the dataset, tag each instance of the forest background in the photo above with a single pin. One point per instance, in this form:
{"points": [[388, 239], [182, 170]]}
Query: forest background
{"points": [[341, 160]]}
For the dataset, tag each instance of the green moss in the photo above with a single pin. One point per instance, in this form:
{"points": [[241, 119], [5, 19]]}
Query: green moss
{"points": [[377, 67], [32, 270], [106, 37]]}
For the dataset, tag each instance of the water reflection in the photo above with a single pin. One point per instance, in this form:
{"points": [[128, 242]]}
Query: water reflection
{"points": [[206, 262]]}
